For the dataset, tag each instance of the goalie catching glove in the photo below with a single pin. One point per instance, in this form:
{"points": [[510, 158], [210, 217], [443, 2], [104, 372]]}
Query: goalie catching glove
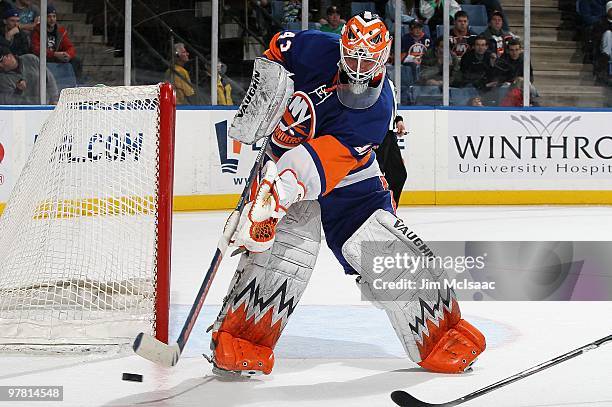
{"points": [[273, 196]]}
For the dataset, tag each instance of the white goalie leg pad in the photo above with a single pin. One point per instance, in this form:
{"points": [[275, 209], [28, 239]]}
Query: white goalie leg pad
{"points": [[383, 235], [264, 103], [267, 286]]}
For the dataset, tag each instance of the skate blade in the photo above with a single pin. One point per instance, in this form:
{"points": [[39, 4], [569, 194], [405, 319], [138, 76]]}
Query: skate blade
{"points": [[230, 373], [235, 374]]}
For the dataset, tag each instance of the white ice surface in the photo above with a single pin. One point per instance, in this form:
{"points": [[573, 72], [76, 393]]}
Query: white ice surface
{"points": [[336, 351]]}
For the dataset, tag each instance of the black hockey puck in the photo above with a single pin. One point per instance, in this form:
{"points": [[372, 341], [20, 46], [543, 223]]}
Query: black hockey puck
{"points": [[132, 377]]}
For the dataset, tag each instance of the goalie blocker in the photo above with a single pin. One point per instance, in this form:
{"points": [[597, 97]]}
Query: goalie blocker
{"points": [[264, 102], [428, 322]]}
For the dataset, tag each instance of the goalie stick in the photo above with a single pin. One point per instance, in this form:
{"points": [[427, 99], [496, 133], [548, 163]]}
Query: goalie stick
{"points": [[401, 398], [158, 352]]}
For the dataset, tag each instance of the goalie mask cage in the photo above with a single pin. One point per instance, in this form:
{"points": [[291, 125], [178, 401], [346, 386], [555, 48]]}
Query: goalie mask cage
{"points": [[85, 238]]}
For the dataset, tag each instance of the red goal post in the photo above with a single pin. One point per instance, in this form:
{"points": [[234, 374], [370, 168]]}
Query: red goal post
{"points": [[167, 125]]}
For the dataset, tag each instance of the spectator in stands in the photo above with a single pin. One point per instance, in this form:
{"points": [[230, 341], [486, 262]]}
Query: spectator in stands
{"points": [[59, 47], [407, 12], [292, 11], [510, 65], [475, 101], [179, 76], [432, 12], [461, 35], [477, 65], [606, 39], [415, 44], [509, 71], [263, 18], [19, 79], [334, 22], [590, 12], [5, 6], [514, 97], [29, 15], [496, 35], [431, 72], [224, 89], [602, 42], [492, 6], [12, 37]]}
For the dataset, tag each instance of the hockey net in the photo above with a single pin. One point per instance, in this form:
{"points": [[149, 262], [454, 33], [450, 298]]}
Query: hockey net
{"points": [[85, 236]]}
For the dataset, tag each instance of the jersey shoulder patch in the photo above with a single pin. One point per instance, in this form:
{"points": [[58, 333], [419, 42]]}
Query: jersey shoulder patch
{"points": [[298, 122]]}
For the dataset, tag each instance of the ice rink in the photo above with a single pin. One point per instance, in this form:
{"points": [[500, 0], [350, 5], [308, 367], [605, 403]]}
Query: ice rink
{"points": [[339, 351]]}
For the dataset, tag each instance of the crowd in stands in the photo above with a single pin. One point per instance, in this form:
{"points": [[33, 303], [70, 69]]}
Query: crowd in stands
{"points": [[486, 61], [20, 50], [430, 72], [185, 89]]}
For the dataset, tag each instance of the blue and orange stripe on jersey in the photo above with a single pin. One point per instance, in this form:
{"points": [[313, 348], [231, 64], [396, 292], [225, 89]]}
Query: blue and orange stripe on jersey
{"points": [[333, 160]]}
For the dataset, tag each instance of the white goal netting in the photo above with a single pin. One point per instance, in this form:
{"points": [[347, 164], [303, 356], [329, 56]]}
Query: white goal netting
{"points": [[78, 238]]}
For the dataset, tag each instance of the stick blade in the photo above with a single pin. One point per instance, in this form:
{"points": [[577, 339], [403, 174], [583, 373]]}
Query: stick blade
{"points": [[401, 398], [156, 351]]}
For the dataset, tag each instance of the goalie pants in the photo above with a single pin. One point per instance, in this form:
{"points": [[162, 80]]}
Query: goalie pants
{"points": [[345, 209]]}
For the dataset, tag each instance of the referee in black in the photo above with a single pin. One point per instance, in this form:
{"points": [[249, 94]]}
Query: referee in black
{"points": [[390, 159]]}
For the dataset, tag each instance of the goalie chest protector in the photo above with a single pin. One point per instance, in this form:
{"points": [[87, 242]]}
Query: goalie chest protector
{"points": [[314, 109]]}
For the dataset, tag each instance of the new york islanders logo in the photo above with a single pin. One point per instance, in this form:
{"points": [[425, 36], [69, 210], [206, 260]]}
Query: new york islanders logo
{"points": [[461, 48], [417, 51], [298, 122]]}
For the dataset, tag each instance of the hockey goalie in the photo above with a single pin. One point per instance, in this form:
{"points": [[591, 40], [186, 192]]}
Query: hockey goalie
{"points": [[326, 102]]}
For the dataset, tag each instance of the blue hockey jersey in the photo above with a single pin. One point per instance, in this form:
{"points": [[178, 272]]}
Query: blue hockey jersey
{"points": [[338, 140]]}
